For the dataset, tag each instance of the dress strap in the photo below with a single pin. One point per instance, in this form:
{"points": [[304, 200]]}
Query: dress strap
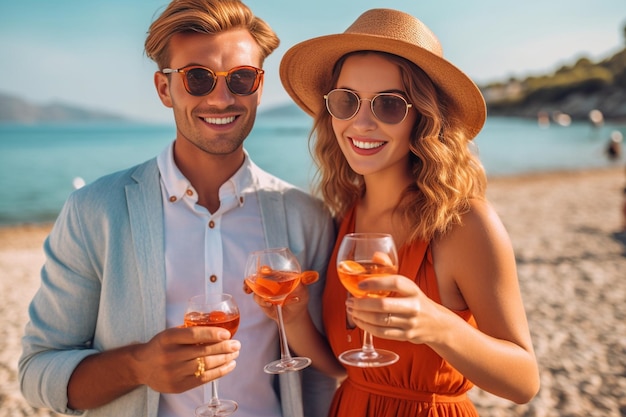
{"points": [[411, 257]]}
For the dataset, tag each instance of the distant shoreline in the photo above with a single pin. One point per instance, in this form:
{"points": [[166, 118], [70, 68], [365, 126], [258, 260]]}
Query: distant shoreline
{"points": [[495, 180]]}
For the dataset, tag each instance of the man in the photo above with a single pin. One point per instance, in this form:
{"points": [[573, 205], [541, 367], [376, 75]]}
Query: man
{"points": [[128, 250]]}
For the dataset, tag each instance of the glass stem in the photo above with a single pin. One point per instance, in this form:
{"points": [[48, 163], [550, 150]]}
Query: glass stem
{"points": [[368, 342], [214, 398], [284, 346]]}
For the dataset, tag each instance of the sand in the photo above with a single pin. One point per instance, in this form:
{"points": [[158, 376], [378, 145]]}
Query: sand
{"points": [[566, 229]]}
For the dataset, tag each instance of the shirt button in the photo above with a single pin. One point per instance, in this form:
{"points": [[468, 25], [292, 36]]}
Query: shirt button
{"points": [[172, 199], [213, 278], [189, 192], [211, 224], [241, 200]]}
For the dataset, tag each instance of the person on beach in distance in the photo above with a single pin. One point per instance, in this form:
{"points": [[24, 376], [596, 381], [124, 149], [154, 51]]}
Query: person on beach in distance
{"points": [[614, 146], [393, 121], [129, 250], [623, 208]]}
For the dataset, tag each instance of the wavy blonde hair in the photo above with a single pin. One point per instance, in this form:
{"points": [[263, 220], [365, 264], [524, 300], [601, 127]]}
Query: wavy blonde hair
{"points": [[208, 17], [447, 173]]}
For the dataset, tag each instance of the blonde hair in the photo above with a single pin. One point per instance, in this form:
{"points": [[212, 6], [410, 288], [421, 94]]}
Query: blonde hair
{"points": [[447, 174], [208, 17]]}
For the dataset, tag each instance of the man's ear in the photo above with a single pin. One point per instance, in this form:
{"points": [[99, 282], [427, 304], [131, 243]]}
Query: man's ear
{"points": [[162, 84]]}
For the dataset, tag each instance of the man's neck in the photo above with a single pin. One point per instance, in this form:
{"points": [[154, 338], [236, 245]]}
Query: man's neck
{"points": [[207, 172]]}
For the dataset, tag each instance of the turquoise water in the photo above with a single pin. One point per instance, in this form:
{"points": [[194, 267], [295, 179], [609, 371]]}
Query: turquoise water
{"points": [[38, 163]]}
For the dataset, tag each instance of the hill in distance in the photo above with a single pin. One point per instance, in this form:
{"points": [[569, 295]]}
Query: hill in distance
{"points": [[17, 110], [576, 89]]}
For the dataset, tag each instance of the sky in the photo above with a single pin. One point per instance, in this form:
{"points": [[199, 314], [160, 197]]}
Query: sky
{"points": [[90, 53]]}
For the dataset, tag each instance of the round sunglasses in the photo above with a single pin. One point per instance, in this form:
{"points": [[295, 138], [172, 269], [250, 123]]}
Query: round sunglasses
{"points": [[389, 108], [200, 81]]}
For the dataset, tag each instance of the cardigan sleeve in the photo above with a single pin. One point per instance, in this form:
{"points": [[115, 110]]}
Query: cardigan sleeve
{"points": [[62, 316]]}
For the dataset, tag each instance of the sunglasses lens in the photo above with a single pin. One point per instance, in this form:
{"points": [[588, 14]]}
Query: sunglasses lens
{"points": [[342, 104], [200, 81], [243, 81], [389, 108]]}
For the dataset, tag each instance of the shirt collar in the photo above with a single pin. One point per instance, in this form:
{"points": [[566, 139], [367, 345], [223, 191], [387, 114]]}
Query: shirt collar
{"points": [[177, 186]]}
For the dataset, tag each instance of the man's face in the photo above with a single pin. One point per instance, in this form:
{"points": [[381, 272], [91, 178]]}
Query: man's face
{"points": [[216, 123]]}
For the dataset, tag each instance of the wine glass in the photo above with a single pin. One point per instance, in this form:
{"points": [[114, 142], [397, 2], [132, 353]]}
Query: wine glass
{"points": [[362, 256], [214, 309], [273, 274]]}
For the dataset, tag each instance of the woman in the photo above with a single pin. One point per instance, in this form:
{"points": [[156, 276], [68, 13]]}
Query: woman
{"points": [[393, 123]]}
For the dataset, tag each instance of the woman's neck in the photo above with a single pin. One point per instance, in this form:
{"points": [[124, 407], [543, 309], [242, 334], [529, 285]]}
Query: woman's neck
{"points": [[376, 211]]}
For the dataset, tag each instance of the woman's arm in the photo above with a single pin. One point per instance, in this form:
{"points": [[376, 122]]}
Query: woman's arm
{"points": [[499, 356]]}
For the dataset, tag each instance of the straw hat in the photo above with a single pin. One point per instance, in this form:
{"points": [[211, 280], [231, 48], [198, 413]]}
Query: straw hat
{"points": [[306, 67]]}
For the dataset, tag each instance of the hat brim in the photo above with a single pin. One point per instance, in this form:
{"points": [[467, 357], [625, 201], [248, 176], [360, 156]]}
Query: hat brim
{"points": [[306, 68]]}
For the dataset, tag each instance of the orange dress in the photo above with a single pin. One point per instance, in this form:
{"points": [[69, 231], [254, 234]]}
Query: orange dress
{"points": [[421, 383]]}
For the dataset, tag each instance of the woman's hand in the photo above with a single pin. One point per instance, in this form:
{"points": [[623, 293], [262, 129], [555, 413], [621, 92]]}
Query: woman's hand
{"points": [[295, 305], [406, 315]]}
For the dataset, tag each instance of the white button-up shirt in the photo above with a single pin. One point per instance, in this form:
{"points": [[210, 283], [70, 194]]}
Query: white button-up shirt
{"points": [[207, 252]]}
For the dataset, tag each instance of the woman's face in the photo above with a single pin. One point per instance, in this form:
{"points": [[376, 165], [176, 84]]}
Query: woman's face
{"points": [[369, 145]]}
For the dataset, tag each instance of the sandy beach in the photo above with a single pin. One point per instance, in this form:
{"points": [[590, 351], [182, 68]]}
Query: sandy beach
{"points": [[571, 254]]}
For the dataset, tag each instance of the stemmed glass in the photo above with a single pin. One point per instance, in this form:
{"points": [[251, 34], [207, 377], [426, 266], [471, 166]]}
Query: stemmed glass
{"points": [[214, 309], [273, 274], [362, 256]]}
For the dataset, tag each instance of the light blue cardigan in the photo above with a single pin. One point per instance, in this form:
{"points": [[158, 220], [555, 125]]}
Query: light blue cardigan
{"points": [[103, 285]]}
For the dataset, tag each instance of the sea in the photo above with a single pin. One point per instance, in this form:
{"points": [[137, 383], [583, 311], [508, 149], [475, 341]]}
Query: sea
{"points": [[41, 164]]}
